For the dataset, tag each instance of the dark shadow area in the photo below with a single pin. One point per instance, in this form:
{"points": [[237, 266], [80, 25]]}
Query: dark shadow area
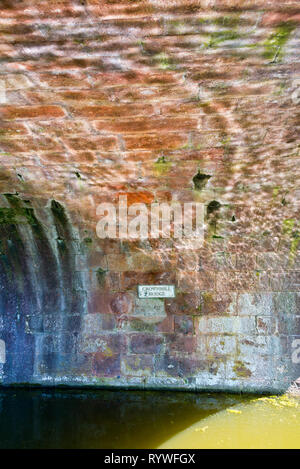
{"points": [[46, 418], [42, 298]]}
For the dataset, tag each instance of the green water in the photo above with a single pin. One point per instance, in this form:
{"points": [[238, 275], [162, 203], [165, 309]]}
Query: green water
{"points": [[263, 423], [104, 419]]}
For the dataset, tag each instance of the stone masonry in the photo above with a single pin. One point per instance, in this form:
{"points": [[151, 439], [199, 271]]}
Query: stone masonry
{"points": [[158, 100]]}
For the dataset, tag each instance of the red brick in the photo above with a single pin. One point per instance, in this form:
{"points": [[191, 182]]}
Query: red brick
{"points": [[12, 129], [184, 324], [155, 141], [147, 125], [166, 326], [179, 366], [54, 158], [275, 19], [141, 262], [184, 303], [133, 77], [92, 143], [121, 303], [130, 280], [106, 366], [191, 366], [99, 302], [199, 280], [145, 343], [64, 80], [60, 128], [98, 93], [108, 322], [217, 303], [136, 365], [28, 144], [237, 282], [31, 112], [137, 197], [83, 156], [181, 343], [125, 110]]}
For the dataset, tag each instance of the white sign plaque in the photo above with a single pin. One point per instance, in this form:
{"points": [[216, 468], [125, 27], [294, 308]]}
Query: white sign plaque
{"points": [[156, 291]]}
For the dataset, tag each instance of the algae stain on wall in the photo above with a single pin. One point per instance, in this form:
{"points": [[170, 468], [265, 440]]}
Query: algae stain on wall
{"points": [[42, 295], [274, 45]]}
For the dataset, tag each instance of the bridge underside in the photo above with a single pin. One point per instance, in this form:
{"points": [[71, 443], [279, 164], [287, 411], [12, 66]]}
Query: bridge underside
{"points": [[156, 101]]}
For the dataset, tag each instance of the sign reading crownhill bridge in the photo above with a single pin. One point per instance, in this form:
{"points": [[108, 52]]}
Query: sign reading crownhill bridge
{"points": [[156, 291]]}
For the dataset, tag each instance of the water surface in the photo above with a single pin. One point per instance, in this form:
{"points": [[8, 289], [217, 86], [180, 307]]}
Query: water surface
{"points": [[36, 418], [263, 423], [43, 418]]}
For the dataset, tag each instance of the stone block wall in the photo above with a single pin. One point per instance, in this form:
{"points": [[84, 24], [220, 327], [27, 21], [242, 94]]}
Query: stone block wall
{"points": [[158, 100]]}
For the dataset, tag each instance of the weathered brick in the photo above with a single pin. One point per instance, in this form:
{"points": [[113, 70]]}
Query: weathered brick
{"points": [[286, 282], [184, 324], [116, 111], [146, 125], [106, 344], [108, 322], [257, 304], [63, 80], [224, 261], [184, 304], [166, 326], [178, 366], [162, 141], [140, 197], [145, 343], [149, 310], [227, 325], [92, 325], [138, 365], [141, 262], [59, 127], [181, 343], [99, 302], [221, 346], [197, 280], [130, 280], [218, 303], [266, 325], [16, 82], [28, 144], [92, 143], [236, 282], [122, 303], [8, 129], [31, 112], [106, 366], [112, 98]]}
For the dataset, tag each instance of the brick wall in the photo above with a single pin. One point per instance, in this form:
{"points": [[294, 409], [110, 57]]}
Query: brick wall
{"points": [[102, 98]]}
